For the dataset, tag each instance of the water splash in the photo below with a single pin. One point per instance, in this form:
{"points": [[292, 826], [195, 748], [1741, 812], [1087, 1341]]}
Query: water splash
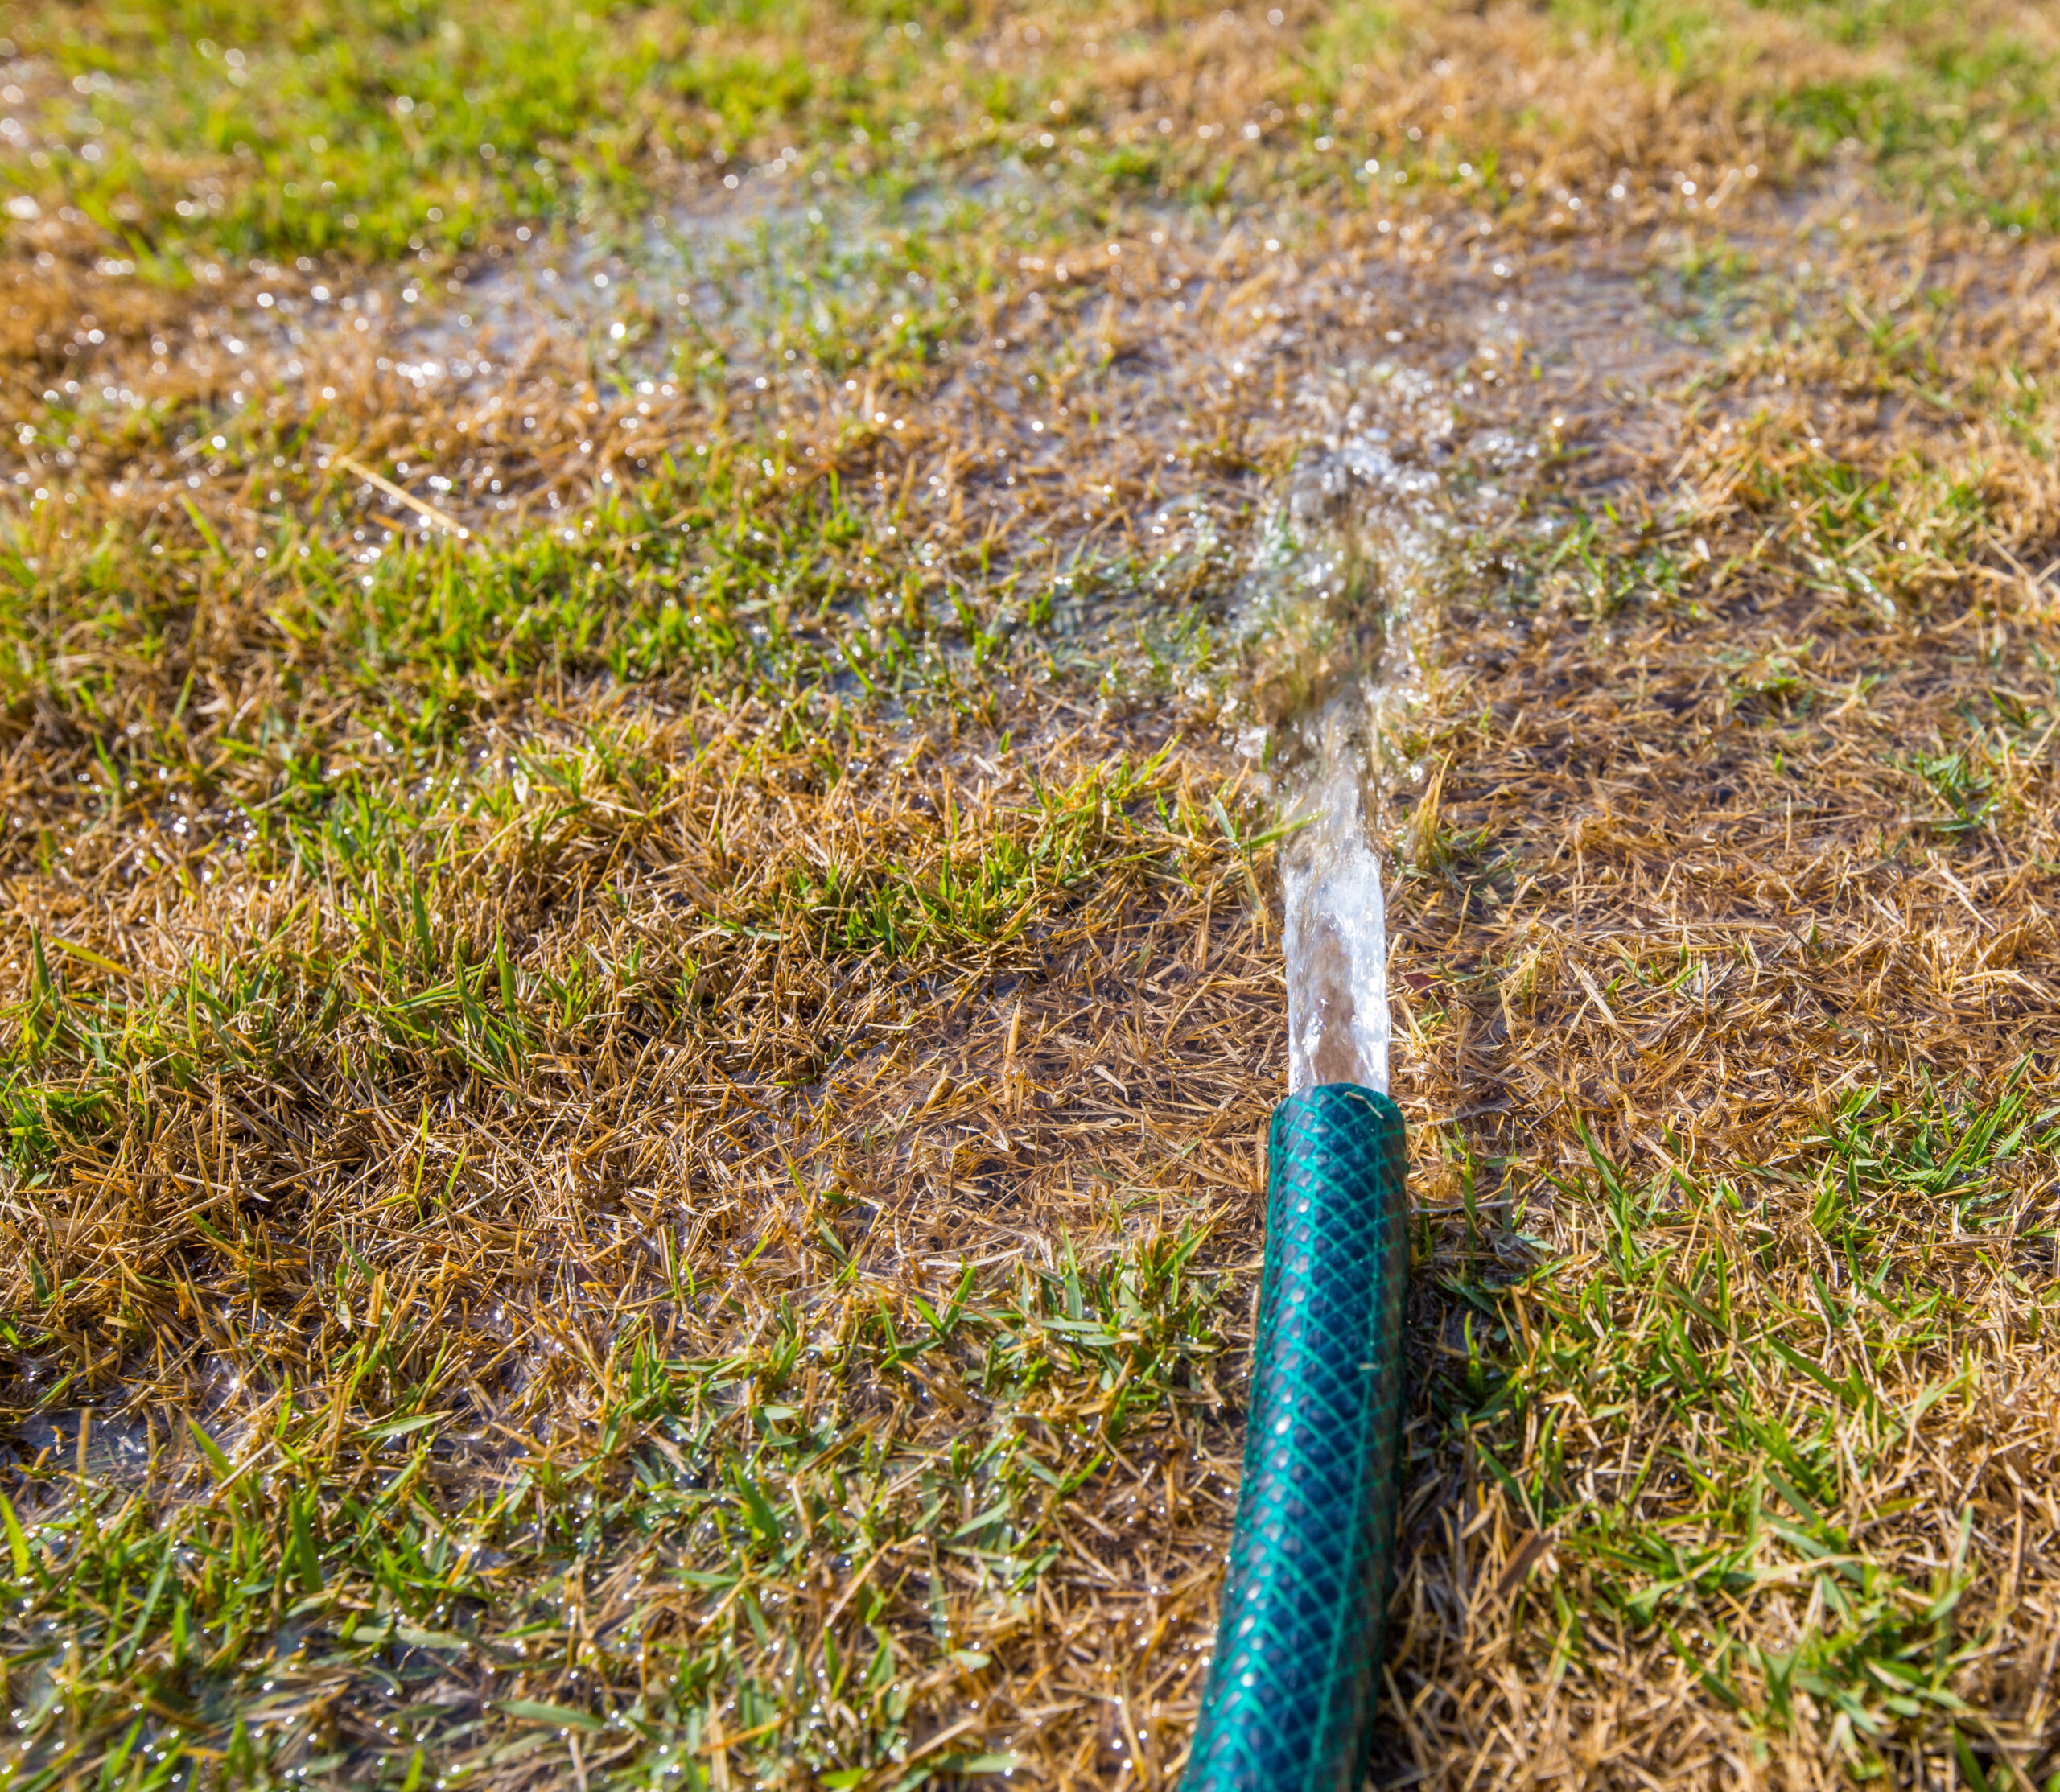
{"points": [[1341, 585]]}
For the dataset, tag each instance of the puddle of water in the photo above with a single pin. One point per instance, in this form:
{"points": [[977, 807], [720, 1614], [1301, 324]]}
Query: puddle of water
{"points": [[552, 365], [117, 1444], [1112, 424], [740, 278]]}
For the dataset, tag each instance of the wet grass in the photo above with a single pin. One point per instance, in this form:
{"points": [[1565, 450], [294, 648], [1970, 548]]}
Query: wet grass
{"points": [[712, 1570]]}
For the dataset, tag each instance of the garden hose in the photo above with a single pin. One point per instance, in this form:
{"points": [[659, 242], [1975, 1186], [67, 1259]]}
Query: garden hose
{"points": [[1290, 1700]]}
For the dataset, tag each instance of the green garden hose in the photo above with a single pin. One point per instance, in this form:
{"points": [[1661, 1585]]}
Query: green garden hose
{"points": [[1291, 1692]]}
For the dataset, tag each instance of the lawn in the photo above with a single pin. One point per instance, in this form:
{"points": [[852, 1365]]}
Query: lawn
{"points": [[657, 661]]}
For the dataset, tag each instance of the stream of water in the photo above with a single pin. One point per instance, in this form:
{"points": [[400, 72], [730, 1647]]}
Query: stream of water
{"points": [[1342, 585], [1335, 938]]}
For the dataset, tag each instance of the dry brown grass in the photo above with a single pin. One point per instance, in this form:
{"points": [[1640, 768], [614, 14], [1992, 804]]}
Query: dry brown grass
{"points": [[798, 1137], [1730, 915], [1710, 953]]}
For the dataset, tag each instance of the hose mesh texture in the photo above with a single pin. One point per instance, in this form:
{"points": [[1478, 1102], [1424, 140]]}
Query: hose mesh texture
{"points": [[1290, 1701]]}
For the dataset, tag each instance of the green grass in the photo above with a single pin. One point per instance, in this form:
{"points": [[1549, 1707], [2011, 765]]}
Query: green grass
{"points": [[414, 975], [375, 130], [187, 131], [192, 130], [629, 1585], [1954, 113], [1741, 1396]]}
